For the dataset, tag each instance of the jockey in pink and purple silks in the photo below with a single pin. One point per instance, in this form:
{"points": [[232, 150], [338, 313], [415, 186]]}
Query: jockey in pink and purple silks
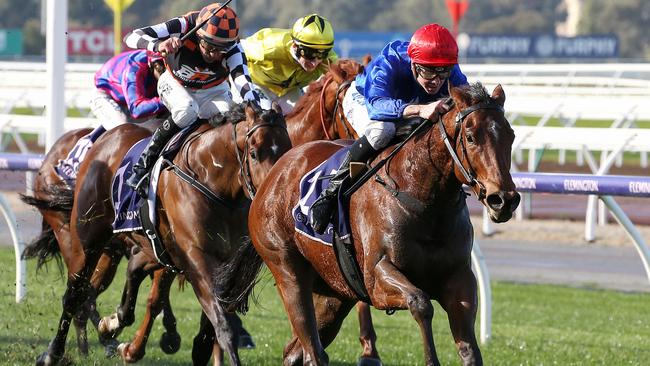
{"points": [[125, 91]]}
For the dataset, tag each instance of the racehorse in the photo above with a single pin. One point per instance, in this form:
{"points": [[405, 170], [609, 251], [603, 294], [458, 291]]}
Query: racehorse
{"points": [[54, 242], [410, 228], [229, 161]]}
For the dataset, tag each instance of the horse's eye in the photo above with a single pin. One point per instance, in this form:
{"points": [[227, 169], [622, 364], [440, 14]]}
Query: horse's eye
{"points": [[254, 154], [470, 138]]}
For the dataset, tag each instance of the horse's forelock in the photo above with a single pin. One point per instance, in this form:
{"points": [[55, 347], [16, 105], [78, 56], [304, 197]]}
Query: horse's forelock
{"points": [[477, 93]]}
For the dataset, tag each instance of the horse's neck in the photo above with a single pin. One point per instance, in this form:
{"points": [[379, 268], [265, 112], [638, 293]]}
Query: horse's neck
{"points": [[425, 170], [215, 163], [305, 126]]}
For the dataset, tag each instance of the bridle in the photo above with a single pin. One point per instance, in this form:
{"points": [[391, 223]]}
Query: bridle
{"points": [[337, 112], [468, 173], [242, 155]]}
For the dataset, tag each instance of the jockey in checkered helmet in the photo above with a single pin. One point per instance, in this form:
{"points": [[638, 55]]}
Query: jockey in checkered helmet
{"points": [[199, 66]]}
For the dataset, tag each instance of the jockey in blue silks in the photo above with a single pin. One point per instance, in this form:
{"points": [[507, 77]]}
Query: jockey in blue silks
{"points": [[406, 80]]}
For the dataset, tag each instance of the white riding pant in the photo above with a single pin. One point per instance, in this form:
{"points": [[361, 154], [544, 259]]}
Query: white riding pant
{"points": [[186, 105], [286, 102], [108, 112], [378, 133]]}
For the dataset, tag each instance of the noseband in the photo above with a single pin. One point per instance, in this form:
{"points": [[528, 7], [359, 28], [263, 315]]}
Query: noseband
{"points": [[244, 161], [468, 173]]}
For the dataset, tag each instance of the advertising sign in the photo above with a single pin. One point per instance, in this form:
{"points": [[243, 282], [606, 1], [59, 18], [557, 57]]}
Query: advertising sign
{"points": [[537, 46], [359, 44], [11, 42], [97, 41]]}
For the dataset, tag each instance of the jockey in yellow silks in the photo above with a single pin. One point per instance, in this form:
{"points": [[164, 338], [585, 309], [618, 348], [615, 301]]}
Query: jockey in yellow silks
{"points": [[283, 61]]}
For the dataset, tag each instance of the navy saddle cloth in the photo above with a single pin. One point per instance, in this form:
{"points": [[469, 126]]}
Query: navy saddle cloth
{"points": [[311, 185]]}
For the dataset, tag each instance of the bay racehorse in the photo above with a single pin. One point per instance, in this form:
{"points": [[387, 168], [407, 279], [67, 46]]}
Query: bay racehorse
{"points": [[410, 227], [229, 161], [54, 243]]}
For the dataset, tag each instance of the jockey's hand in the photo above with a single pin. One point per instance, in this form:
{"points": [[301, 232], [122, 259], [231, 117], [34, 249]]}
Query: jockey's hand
{"points": [[169, 46], [433, 110]]}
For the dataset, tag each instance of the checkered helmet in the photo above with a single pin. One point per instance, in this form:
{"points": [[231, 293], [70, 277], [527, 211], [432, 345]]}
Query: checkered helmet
{"points": [[221, 28]]}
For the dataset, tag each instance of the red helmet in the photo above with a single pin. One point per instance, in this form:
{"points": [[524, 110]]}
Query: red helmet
{"points": [[222, 27], [433, 45]]}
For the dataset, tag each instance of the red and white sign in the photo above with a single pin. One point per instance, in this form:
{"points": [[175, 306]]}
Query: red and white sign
{"points": [[90, 41]]}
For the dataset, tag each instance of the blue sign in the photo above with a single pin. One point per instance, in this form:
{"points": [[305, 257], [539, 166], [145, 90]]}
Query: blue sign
{"points": [[602, 185], [537, 46], [359, 44]]}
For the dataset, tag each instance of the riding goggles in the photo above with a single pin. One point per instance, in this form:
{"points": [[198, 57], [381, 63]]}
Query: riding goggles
{"points": [[312, 53], [430, 73], [213, 48]]}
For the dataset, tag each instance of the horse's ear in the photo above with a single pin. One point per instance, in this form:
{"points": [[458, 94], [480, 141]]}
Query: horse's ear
{"points": [[250, 112], [499, 95], [366, 59], [459, 96], [337, 73], [276, 107]]}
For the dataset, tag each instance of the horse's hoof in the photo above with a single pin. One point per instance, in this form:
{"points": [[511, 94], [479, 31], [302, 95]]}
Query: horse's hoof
{"points": [[45, 359], [170, 343], [369, 361], [110, 348], [122, 349], [109, 326], [246, 342]]}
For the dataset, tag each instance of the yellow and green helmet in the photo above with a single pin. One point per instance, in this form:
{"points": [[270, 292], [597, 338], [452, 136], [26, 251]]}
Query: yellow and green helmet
{"points": [[313, 31]]}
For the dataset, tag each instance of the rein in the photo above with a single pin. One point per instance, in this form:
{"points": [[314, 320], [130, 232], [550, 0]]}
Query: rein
{"points": [[337, 110], [244, 163], [468, 173]]}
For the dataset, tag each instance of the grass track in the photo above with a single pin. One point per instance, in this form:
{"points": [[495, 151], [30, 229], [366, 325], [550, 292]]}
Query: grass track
{"points": [[532, 325]]}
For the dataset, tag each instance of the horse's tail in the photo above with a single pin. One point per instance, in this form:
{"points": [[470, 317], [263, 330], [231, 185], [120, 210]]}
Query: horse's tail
{"points": [[45, 247], [238, 276], [59, 198]]}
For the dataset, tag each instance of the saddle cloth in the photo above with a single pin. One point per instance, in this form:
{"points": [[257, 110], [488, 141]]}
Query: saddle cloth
{"points": [[126, 201], [311, 185]]}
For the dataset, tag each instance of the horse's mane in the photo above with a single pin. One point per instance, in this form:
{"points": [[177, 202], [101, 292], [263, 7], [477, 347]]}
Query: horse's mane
{"points": [[477, 92], [237, 113], [345, 69]]}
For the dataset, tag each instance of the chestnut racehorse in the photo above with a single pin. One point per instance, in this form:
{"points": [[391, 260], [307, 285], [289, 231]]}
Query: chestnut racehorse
{"points": [[229, 161], [412, 235]]}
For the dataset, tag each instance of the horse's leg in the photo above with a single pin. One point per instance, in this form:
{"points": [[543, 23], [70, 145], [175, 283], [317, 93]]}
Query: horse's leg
{"points": [[200, 272], [170, 341], [294, 280], [112, 325], [392, 290], [330, 311], [77, 292], [203, 344], [102, 278], [460, 303], [159, 293], [367, 336]]}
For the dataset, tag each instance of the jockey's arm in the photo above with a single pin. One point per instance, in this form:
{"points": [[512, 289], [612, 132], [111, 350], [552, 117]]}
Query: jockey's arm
{"points": [[135, 92], [160, 37], [236, 63]]}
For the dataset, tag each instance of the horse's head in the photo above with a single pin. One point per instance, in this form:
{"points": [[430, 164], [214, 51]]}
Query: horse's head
{"points": [[483, 142], [265, 141]]}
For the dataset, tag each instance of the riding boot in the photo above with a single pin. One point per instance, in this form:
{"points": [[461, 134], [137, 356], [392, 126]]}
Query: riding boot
{"points": [[321, 210], [139, 180]]}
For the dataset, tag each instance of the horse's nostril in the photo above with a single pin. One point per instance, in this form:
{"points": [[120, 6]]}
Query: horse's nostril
{"points": [[495, 201]]}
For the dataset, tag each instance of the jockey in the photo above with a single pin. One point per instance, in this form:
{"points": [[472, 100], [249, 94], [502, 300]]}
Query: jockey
{"points": [[283, 61], [125, 92], [406, 80], [196, 84]]}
